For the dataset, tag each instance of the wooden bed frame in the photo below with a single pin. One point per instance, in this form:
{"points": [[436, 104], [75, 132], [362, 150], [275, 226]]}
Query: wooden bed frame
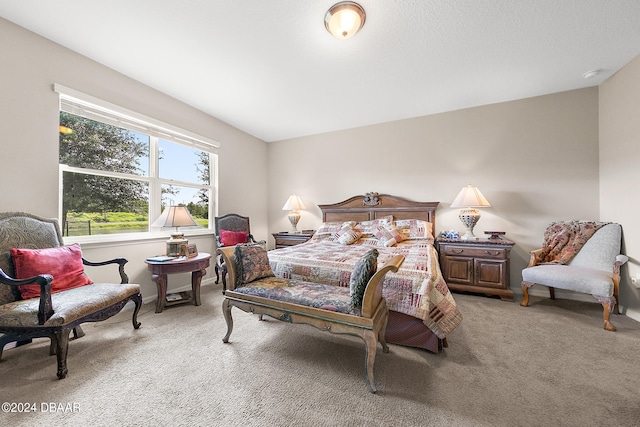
{"points": [[402, 329], [373, 205]]}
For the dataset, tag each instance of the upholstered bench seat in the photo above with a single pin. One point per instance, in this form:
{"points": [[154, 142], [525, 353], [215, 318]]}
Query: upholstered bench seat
{"points": [[71, 305], [317, 295], [329, 308]]}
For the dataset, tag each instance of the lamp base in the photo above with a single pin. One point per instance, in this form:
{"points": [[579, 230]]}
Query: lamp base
{"points": [[294, 217], [469, 218], [177, 245]]}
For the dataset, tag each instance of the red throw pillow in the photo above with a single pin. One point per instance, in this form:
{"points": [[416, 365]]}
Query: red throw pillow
{"points": [[64, 263], [232, 238]]}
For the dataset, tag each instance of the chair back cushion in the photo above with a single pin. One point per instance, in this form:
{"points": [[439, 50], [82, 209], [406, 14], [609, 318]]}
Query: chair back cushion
{"points": [[23, 230], [232, 222], [600, 251]]}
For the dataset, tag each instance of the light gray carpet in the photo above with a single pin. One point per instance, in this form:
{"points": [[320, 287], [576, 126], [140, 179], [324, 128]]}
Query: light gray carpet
{"points": [[549, 364]]}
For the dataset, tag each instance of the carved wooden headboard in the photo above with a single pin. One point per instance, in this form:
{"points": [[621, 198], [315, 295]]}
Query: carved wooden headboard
{"points": [[374, 205]]}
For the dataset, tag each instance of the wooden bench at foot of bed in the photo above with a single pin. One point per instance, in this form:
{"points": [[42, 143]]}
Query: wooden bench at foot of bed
{"points": [[370, 325]]}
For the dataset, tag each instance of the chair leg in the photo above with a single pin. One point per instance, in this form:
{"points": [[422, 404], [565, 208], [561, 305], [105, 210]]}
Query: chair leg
{"points": [[217, 274], [607, 314], [552, 293], [525, 293], [62, 347], [370, 357], [137, 300], [226, 310]]}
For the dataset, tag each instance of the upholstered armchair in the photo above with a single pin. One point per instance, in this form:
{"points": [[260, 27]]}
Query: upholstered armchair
{"points": [[231, 229], [594, 269], [44, 291]]}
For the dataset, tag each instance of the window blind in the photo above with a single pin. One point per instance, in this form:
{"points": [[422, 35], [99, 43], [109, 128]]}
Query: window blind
{"points": [[87, 106]]}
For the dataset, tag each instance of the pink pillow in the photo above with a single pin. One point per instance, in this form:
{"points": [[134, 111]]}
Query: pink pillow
{"points": [[64, 263], [232, 238]]}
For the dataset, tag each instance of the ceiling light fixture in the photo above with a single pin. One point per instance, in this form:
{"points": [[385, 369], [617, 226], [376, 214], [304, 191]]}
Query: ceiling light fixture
{"points": [[344, 19], [592, 73]]}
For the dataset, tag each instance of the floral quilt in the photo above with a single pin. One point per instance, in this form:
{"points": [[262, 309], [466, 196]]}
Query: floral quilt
{"points": [[417, 289]]}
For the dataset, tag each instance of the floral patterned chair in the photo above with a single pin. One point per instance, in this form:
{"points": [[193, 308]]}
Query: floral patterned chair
{"points": [[52, 304], [580, 256]]}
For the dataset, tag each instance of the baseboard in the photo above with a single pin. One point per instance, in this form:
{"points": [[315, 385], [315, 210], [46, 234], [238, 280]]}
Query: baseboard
{"points": [[633, 314]]}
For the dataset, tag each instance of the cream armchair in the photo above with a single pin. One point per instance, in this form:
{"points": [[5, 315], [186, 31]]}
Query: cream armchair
{"points": [[594, 270]]}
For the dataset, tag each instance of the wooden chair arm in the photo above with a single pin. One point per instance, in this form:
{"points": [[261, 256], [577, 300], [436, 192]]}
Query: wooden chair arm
{"points": [[535, 258], [45, 309], [229, 261], [373, 291], [120, 261]]}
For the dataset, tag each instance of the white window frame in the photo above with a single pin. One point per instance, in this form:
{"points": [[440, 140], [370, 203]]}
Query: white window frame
{"points": [[80, 104]]}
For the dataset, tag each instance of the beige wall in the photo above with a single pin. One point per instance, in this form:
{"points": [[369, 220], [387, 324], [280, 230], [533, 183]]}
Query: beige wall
{"points": [[536, 161], [619, 170], [28, 125]]}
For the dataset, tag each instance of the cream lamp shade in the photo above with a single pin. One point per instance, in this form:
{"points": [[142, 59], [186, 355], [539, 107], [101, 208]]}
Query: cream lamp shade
{"points": [[470, 198], [175, 216], [343, 20], [293, 205]]}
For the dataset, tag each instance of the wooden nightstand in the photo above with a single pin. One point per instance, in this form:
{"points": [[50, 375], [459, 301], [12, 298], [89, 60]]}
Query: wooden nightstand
{"points": [[476, 265], [284, 239]]}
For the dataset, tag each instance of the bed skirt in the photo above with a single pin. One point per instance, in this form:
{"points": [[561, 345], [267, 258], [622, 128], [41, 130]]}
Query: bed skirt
{"points": [[410, 331]]}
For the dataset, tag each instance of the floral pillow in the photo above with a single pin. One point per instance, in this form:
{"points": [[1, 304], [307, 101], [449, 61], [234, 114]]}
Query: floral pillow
{"points": [[388, 236], [362, 272], [347, 235], [370, 227], [252, 263]]}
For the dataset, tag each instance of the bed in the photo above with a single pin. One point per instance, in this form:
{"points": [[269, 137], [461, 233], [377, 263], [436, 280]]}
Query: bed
{"points": [[422, 310]]}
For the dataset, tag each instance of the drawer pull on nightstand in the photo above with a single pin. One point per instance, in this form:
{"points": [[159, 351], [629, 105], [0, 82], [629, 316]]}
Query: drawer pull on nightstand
{"points": [[457, 251], [490, 254]]}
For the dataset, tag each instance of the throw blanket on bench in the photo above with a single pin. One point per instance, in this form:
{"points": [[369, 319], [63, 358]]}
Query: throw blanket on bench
{"points": [[564, 239]]}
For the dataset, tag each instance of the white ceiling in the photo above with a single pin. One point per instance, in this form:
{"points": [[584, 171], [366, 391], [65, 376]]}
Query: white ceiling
{"points": [[270, 68]]}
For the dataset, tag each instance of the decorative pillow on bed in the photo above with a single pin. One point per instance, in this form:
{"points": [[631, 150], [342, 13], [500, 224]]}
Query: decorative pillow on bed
{"points": [[414, 229], [252, 263], [64, 263], [370, 227], [388, 236], [347, 235], [232, 238], [332, 227], [362, 272]]}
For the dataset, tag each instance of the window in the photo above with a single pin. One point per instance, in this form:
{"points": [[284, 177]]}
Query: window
{"points": [[119, 170]]}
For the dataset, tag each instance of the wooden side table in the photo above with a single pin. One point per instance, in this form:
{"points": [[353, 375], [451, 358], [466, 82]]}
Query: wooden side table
{"points": [[480, 266], [160, 269], [285, 239]]}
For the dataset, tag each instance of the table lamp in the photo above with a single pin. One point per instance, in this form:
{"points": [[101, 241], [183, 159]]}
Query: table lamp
{"points": [[175, 216], [294, 204], [469, 198]]}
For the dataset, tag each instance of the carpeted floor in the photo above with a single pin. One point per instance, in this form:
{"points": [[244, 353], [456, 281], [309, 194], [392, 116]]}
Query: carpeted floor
{"points": [[550, 364]]}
